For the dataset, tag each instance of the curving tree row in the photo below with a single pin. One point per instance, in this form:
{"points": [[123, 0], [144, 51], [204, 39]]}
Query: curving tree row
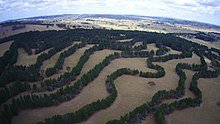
{"points": [[67, 77], [60, 61], [86, 111], [13, 90], [159, 111], [101, 39], [32, 72]]}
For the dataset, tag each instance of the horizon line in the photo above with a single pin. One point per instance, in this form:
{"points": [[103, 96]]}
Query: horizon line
{"points": [[29, 17]]}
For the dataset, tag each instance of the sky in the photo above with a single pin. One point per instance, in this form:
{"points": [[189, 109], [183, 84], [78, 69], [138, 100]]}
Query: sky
{"points": [[198, 10]]}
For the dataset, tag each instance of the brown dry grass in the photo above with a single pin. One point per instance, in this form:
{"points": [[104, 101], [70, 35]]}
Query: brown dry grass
{"points": [[202, 29], [71, 61], [173, 51], [25, 59], [4, 47], [207, 113], [125, 24], [94, 59], [188, 93], [6, 31], [132, 91], [150, 47], [154, 48], [95, 90], [51, 62], [208, 44]]}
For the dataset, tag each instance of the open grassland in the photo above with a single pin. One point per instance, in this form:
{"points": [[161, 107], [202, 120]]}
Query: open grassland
{"points": [[7, 31], [94, 59], [25, 59], [207, 113], [134, 91], [202, 29], [151, 47], [94, 91], [206, 43], [51, 62], [137, 90], [71, 61], [98, 75], [147, 24]]}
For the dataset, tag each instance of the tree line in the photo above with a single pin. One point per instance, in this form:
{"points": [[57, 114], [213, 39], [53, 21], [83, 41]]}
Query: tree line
{"points": [[13, 90], [60, 61], [32, 72], [139, 113], [103, 39], [86, 111]]}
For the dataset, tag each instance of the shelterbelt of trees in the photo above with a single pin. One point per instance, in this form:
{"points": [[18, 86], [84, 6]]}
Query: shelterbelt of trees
{"points": [[15, 79]]}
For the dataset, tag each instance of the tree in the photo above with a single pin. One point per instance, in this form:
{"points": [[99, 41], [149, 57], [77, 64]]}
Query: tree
{"points": [[68, 68]]}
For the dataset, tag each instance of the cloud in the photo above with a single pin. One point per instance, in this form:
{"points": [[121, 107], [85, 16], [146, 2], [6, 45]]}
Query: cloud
{"points": [[210, 3], [188, 9]]}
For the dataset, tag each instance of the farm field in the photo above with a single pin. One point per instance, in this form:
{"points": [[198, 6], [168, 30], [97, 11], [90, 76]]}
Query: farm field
{"points": [[213, 44], [7, 30], [97, 76]]}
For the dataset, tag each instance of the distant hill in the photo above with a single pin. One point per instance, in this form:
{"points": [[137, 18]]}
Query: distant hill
{"points": [[129, 17]]}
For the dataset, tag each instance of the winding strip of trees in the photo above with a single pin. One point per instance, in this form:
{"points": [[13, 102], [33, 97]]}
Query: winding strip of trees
{"points": [[103, 39], [32, 72], [41, 41], [13, 90], [67, 77], [86, 111], [60, 61], [9, 57], [167, 108], [140, 113], [63, 94]]}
